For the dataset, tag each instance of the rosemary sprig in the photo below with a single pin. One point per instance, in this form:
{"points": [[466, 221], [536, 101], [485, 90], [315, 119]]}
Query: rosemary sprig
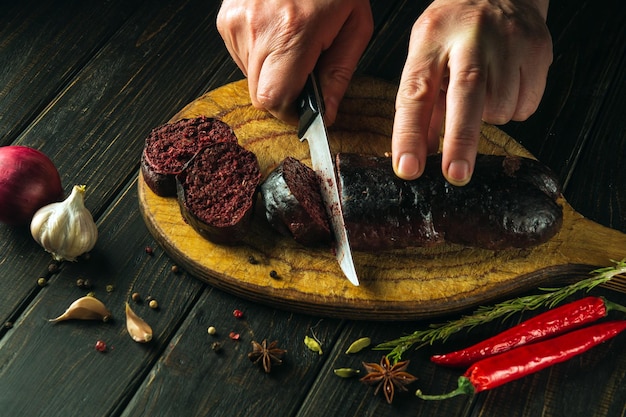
{"points": [[484, 314]]}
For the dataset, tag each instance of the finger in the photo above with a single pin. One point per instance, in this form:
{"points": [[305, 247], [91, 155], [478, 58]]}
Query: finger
{"points": [[532, 85], [464, 108], [228, 23], [281, 76], [337, 64], [415, 101], [436, 123], [502, 94]]}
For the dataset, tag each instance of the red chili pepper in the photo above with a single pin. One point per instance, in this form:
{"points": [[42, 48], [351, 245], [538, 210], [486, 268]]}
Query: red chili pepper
{"points": [[513, 364], [551, 323]]}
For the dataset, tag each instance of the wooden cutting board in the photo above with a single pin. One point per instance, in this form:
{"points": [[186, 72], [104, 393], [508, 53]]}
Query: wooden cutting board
{"points": [[396, 285]]}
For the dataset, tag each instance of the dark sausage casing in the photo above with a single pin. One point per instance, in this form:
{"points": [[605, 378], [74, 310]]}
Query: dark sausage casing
{"points": [[509, 203]]}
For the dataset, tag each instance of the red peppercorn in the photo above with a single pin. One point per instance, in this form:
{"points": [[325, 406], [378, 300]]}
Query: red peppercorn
{"points": [[101, 346], [234, 335], [237, 314], [149, 250]]}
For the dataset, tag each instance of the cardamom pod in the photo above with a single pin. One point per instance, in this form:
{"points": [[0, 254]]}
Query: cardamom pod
{"points": [[313, 345], [358, 345], [346, 372], [85, 308]]}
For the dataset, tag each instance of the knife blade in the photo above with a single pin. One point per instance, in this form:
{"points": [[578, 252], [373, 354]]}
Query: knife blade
{"points": [[312, 129]]}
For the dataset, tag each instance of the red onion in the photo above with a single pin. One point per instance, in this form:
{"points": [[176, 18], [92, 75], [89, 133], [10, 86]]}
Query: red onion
{"points": [[28, 181]]}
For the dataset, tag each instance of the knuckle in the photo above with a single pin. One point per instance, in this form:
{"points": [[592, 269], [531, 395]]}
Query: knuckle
{"points": [[416, 88]]}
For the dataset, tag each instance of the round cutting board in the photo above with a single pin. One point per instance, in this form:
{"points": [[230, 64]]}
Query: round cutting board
{"points": [[400, 284]]}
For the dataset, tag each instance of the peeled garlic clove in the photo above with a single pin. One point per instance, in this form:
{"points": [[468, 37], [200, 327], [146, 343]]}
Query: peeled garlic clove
{"points": [[65, 229], [138, 329], [85, 308]]}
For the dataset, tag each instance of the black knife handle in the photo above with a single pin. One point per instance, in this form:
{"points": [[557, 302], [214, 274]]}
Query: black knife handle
{"points": [[310, 104]]}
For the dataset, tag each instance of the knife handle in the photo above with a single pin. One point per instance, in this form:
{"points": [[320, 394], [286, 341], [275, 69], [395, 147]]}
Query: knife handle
{"points": [[310, 104]]}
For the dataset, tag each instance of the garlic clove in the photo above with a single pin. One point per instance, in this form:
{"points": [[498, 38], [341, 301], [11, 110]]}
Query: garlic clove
{"points": [[85, 308], [65, 229], [137, 328]]}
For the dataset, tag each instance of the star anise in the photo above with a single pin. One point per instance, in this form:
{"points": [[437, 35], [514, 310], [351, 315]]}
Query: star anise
{"points": [[267, 355], [388, 377]]}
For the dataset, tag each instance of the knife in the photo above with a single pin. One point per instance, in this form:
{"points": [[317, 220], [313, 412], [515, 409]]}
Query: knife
{"points": [[311, 128]]}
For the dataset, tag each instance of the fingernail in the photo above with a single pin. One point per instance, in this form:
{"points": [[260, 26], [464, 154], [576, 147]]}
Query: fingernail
{"points": [[458, 172], [408, 166]]}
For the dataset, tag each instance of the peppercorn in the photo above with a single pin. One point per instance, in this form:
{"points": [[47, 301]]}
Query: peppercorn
{"points": [[153, 304], [149, 250], [42, 282], [53, 267], [8, 324], [237, 314], [174, 269], [273, 274], [100, 346], [110, 288], [136, 297], [216, 346], [234, 336], [211, 330]]}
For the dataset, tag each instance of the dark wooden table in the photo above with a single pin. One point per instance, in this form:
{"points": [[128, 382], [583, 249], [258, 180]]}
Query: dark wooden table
{"points": [[85, 81]]}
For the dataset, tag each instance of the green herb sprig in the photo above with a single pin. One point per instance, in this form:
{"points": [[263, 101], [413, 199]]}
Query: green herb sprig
{"points": [[484, 314]]}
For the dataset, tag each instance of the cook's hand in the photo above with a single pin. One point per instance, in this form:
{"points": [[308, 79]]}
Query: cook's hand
{"points": [[467, 60], [278, 43]]}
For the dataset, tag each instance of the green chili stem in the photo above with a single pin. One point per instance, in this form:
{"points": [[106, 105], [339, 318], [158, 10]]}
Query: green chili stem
{"points": [[550, 298], [611, 306], [464, 387]]}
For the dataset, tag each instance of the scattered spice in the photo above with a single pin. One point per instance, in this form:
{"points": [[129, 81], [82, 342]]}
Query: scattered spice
{"points": [[273, 274], [8, 324], [238, 314], [387, 377], [83, 283], [266, 355], [234, 336], [42, 282], [347, 372], [153, 304], [313, 344], [212, 330], [110, 288], [216, 347], [101, 346], [53, 267], [136, 297], [149, 250], [175, 269], [358, 345], [497, 370]]}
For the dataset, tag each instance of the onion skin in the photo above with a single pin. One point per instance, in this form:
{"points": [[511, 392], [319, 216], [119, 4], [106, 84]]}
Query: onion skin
{"points": [[28, 181]]}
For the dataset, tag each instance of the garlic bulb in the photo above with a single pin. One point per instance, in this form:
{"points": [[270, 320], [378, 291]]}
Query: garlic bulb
{"points": [[65, 229]]}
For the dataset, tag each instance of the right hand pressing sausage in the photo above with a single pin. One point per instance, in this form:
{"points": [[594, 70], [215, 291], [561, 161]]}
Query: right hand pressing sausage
{"points": [[278, 43]]}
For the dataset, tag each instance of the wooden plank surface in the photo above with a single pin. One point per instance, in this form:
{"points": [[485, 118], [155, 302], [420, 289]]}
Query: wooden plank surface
{"points": [[98, 76]]}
